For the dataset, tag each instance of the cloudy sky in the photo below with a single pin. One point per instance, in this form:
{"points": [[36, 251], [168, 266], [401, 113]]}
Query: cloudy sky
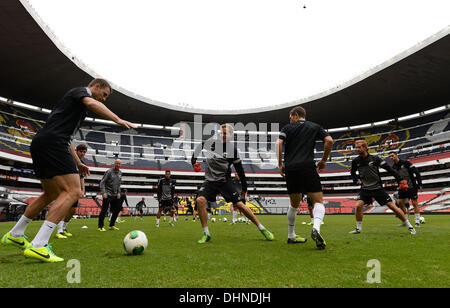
{"points": [[238, 54]]}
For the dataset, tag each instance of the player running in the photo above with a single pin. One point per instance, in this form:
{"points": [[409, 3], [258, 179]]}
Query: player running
{"points": [[58, 167], [221, 153], [299, 139], [371, 185], [409, 173]]}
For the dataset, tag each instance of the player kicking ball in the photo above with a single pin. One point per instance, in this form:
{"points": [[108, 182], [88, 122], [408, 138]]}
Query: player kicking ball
{"points": [[221, 153], [58, 167], [371, 185]]}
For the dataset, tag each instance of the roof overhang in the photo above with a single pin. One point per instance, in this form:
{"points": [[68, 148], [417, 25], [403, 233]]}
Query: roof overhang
{"points": [[37, 69]]}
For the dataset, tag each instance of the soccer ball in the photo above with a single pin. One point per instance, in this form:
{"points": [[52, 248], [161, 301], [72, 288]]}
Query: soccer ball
{"points": [[213, 219], [422, 219], [135, 242], [225, 220]]}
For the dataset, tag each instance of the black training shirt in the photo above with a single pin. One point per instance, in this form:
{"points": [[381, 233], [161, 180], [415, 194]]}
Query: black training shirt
{"points": [[65, 119], [369, 173], [299, 141]]}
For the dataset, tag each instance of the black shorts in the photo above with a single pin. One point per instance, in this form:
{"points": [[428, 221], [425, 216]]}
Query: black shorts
{"points": [[380, 195], [411, 194], [190, 210], [301, 180], [210, 190], [166, 203], [51, 158]]}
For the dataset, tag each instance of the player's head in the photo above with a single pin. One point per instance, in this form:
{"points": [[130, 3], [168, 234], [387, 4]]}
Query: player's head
{"points": [[117, 164], [296, 114], [167, 174], [394, 156], [143, 198], [361, 147], [125, 191], [227, 132], [100, 89], [81, 150]]}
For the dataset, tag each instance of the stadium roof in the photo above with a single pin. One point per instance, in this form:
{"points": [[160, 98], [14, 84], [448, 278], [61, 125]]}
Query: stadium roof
{"points": [[37, 69]]}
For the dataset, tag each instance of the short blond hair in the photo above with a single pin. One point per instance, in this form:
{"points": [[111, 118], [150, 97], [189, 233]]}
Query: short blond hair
{"points": [[362, 142]]}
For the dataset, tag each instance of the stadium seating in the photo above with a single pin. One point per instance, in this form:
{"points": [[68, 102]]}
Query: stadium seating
{"points": [[146, 152]]}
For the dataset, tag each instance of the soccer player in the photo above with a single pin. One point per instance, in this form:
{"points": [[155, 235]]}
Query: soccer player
{"points": [[190, 209], [395, 198], [371, 185], [62, 232], [236, 182], [166, 194], [176, 202], [300, 171], [221, 153], [412, 176], [119, 205], [58, 167], [140, 208], [110, 189]]}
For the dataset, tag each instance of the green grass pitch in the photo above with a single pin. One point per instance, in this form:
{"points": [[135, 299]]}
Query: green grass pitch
{"points": [[238, 256]]}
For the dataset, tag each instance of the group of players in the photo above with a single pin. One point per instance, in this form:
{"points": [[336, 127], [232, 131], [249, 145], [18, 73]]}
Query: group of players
{"points": [[59, 169]]}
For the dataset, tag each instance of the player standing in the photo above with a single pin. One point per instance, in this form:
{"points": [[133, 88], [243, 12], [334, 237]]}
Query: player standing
{"points": [[58, 167], [62, 232], [221, 154], [409, 173], [139, 208], [299, 138], [371, 185], [166, 194], [120, 201], [110, 189]]}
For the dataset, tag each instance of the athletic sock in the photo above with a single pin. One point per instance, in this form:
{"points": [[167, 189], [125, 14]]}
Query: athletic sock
{"points": [[319, 213], [359, 225], [234, 216], [19, 229], [261, 227], [417, 215], [206, 230], [44, 234], [291, 216], [157, 221], [60, 227], [408, 224]]}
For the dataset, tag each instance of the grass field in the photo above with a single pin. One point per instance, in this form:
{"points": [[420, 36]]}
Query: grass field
{"points": [[239, 256]]}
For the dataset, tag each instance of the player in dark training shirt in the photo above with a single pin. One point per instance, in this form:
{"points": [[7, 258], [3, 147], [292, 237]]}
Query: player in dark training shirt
{"points": [[371, 185], [412, 176], [300, 171], [166, 196], [58, 167], [140, 208], [221, 153], [62, 232]]}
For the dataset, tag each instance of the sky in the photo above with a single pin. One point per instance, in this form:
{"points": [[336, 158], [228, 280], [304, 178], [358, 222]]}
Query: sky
{"points": [[237, 54]]}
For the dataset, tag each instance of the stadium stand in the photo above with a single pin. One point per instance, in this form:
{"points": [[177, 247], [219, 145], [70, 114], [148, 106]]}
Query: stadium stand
{"points": [[147, 151]]}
